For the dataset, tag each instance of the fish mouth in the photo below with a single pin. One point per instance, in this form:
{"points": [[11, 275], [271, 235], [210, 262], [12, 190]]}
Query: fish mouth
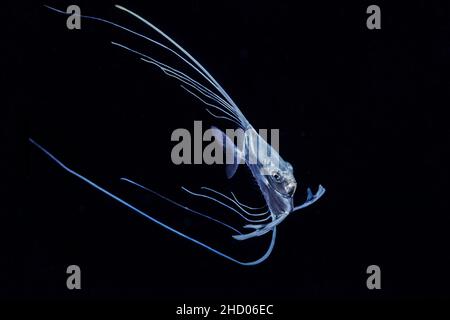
{"points": [[285, 195], [280, 203], [290, 190]]}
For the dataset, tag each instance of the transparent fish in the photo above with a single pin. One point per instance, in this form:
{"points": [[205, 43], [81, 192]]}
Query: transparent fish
{"points": [[273, 175]]}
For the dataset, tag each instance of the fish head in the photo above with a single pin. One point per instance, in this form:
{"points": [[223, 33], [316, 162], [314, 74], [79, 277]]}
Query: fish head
{"points": [[278, 177], [274, 175]]}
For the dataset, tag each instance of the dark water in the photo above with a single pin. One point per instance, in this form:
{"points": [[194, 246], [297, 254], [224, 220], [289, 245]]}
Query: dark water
{"points": [[361, 112]]}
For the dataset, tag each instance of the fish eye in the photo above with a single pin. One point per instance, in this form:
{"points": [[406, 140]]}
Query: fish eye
{"points": [[276, 175]]}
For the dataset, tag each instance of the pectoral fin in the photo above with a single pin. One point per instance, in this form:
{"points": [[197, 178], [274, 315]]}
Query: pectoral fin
{"points": [[231, 152], [311, 198], [231, 169]]}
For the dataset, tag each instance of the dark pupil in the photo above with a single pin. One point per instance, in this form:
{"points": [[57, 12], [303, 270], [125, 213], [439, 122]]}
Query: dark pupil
{"points": [[276, 176]]}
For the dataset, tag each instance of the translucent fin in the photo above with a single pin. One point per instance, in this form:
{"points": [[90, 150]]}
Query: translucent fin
{"points": [[310, 198], [261, 230], [165, 226], [204, 215], [231, 152]]}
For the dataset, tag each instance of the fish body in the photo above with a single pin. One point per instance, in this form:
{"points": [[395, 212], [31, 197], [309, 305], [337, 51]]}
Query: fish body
{"points": [[273, 175]]}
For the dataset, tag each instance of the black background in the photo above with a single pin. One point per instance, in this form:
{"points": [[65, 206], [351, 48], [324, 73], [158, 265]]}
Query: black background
{"points": [[360, 111]]}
